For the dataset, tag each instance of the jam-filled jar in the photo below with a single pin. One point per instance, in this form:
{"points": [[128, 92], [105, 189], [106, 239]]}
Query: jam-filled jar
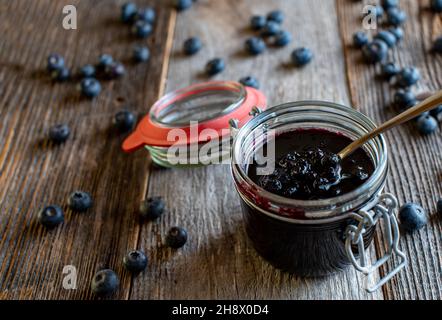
{"points": [[321, 236]]}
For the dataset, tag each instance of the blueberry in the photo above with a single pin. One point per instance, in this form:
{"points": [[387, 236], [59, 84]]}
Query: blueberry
{"points": [[255, 45], [398, 32], [437, 46], [215, 66], [51, 216], [114, 70], [412, 217], [271, 28], [104, 60], [105, 282], [302, 56], [395, 16], [147, 15], [258, 22], [61, 75], [192, 45], [387, 4], [124, 121], [128, 12], [135, 261], [59, 133], [404, 99], [90, 87], [176, 237], [389, 70], [80, 201], [55, 62], [386, 36], [142, 29], [436, 5], [152, 208], [375, 51], [360, 39], [282, 38], [426, 124], [276, 16], [181, 5], [87, 71], [249, 82], [141, 54], [436, 112], [408, 77], [439, 206]]}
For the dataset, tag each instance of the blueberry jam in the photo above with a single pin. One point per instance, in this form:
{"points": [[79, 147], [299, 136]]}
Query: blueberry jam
{"points": [[308, 168]]}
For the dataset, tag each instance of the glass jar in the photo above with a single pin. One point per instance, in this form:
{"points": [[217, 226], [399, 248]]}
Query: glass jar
{"points": [[316, 237]]}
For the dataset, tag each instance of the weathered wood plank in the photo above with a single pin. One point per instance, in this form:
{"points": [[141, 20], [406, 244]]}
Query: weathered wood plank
{"points": [[415, 161], [34, 173], [218, 261]]}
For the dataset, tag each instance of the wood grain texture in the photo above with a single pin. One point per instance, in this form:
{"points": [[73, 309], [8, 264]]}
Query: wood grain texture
{"points": [[415, 160], [218, 261], [34, 173]]}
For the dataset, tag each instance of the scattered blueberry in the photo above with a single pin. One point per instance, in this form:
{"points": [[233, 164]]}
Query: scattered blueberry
{"points": [[387, 4], [436, 112], [152, 208], [90, 87], [105, 282], [375, 51], [176, 238], [63, 74], [80, 201], [436, 5], [249, 82], [271, 28], [215, 66], [360, 39], [147, 15], [404, 99], [128, 12], [104, 60], [141, 54], [51, 216], [437, 46], [192, 45], [398, 32], [181, 5], [255, 45], [408, 77], [114, 70], [87, 71], [276, 16], [412, 217], [396, 16], [55, 62], [282, 38], [386, 36], [59, 133], [124, 121], [439, 206], [389, 70], [142, 29], [426, 124], [258, 22], [135, 261], [302, 56]]}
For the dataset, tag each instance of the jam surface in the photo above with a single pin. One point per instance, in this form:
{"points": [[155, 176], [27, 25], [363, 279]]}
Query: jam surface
{"points": [[308, 168]]}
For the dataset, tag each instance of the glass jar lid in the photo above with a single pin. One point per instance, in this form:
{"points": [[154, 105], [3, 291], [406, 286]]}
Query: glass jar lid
{"points": [[192, 110]]}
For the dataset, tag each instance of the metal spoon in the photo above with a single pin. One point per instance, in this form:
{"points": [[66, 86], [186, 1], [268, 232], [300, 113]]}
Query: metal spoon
{"points": [[426, 105]]}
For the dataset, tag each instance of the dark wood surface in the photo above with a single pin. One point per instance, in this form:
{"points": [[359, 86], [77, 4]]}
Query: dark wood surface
{"points": [[218, 261]]}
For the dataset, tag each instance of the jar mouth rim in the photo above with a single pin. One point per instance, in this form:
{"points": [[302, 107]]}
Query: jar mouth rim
{"points": [[379, 172]]}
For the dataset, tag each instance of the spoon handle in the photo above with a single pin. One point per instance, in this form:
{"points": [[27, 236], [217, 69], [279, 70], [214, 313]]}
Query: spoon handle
{"points": [[426, 105]]}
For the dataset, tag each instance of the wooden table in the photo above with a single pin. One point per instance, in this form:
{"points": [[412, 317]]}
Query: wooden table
{"points": [[218, 261]]}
